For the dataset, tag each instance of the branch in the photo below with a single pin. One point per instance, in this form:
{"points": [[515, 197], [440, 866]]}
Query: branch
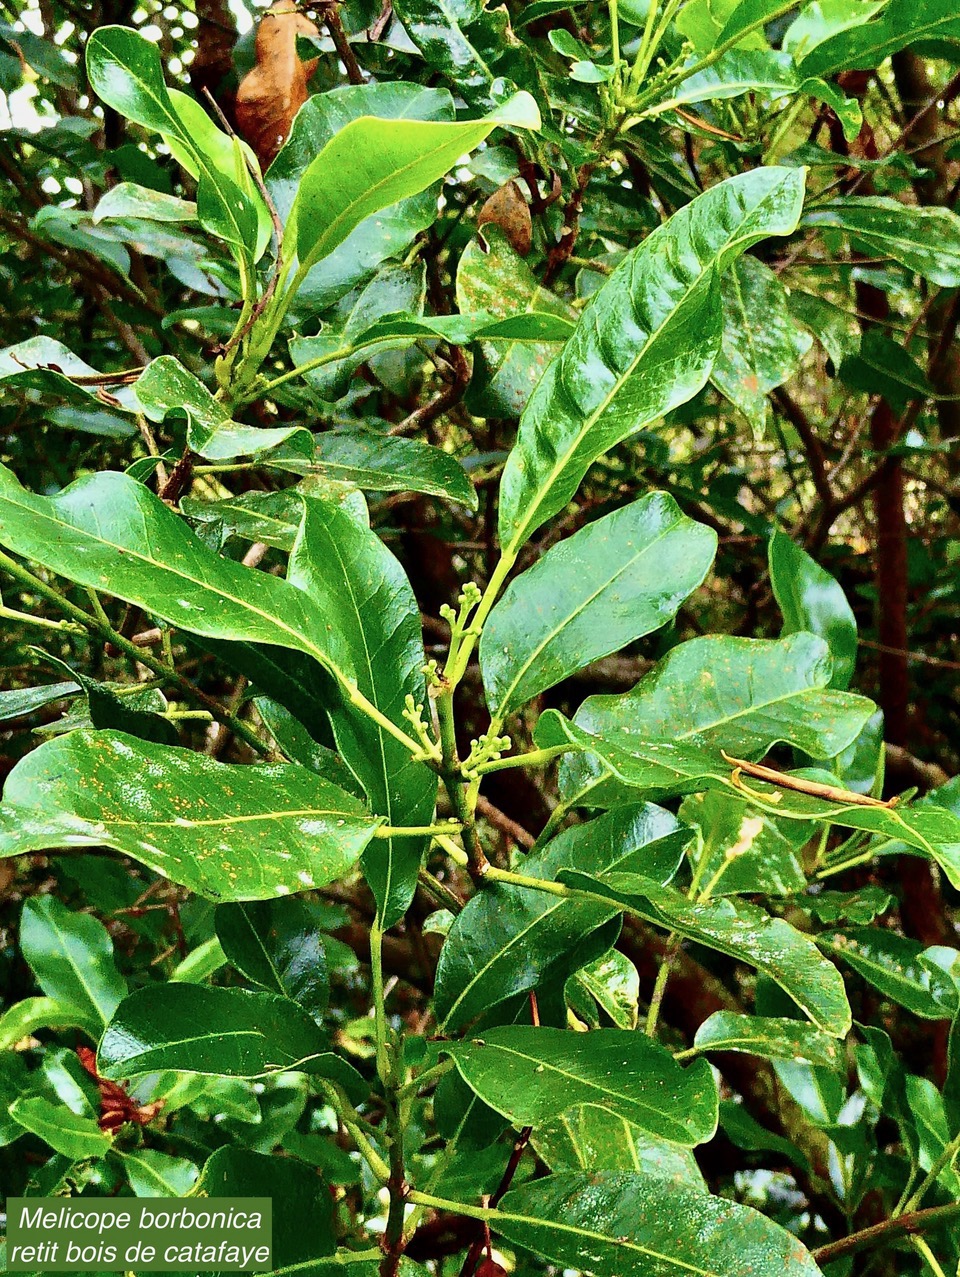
{"points": [[890, 1230]]}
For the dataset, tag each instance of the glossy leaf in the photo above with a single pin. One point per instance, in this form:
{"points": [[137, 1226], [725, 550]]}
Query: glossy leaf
{"points": [[155, 1174], [110, 533], [924, 240], [127, 199], [126, 73], [167, 389], [811, 599], [612, 981], [531, 1074], [29, 1014], [224, 831], [645, 343], [493, 278], [585, 1138], [604, 774], [769, 1037], [351, 575], [612, 1223], [745, 851], [71, 955], [607, 585], [739, 695], [898, 967], [71, 1134], [509, 939], [22, 701], [762, 345], [386, 463], [389, 231], [867, 44], [303, 1210], [192, 1028], [373, 163], [738, 929], [277, 944]]}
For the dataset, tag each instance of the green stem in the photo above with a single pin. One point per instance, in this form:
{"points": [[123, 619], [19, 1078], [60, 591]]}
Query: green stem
{"points": [[456, 854], [453, 1208], [384, 1048], [684, 73], [534, 758], [426, 1078], [923, 1248], [946, 1156], [348, 1117], [537, 884], [441, 893], [42, 622], [417, 831], [660, 985]]}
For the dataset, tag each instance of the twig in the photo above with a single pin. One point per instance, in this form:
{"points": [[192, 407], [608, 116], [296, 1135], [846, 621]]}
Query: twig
{"points": [[331, 19], [889, 1230], [794, 783]]}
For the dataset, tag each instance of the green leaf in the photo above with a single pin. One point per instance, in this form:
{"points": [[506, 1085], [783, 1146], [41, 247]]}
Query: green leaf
{"points": [[607, 773], [300, 747], [740, 71], [353, 578], [110, 533], [499, 282], [166, 389], [509, 939], [645, 343], [378, 237], [738, 929], [745, 851], [66, 1132], [609, 584], [612, 1223], [155, 1174], [810, 599], [127, 199], [762, 344], [927, 1108], [769, 1037], [224, 831], [192, 1028], [126, 73], [701, 21], [22, 701], [719, 692], [271, 517], [436, 27], [277, 944], [24, 1018], [303, 1224], [71, 955], [585, 1138], [924, 240], [372, 163], [386, 463], [614, 984], [900, 24], [898, 967], [531, 1074], [46, 365]]}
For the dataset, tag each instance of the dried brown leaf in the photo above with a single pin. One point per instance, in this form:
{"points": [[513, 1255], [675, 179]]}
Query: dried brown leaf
{"points": [[508, 209], [272, 93]]}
